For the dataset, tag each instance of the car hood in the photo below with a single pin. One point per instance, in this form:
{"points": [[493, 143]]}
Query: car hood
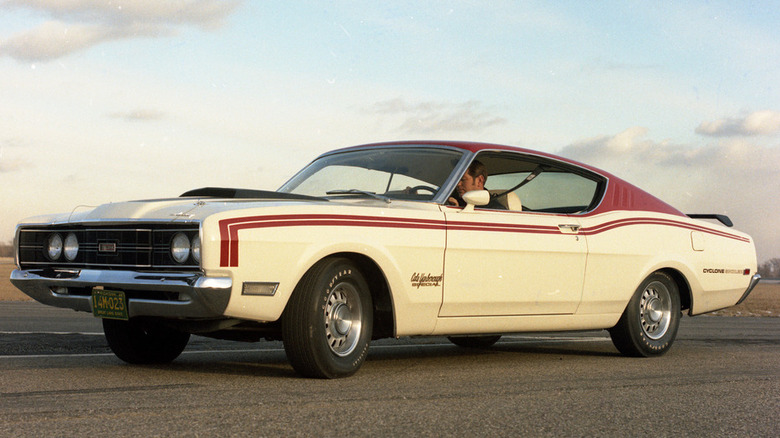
{"points": [[191, 207]]}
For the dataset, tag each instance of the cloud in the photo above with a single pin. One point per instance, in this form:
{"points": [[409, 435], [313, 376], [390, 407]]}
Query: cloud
{"points": [[7, 165], [138, 115], [756, 123], [79, 24], [11, 164], [730, 176], [433, 117], [55, 39]]}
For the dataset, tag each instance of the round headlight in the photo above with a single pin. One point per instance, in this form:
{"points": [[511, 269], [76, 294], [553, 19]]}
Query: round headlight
{"points": [[71, 248], [54, 247], [180, 248], [196, 248]]}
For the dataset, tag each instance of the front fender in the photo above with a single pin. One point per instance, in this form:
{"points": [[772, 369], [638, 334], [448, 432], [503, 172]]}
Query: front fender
{"points": [[282, 254]]}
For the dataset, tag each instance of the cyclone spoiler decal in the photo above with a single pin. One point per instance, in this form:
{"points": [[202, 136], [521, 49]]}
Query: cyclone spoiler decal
{"points": [[229, 228]]}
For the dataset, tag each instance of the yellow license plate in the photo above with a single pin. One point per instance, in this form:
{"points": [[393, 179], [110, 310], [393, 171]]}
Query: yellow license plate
{"points": [[110, 304]]}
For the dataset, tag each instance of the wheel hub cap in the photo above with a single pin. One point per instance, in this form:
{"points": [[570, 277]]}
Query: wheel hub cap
{"points": [[343, 316], [342, 319], [655, 310]]}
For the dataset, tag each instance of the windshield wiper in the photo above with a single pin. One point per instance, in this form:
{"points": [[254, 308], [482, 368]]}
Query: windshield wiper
{"points": [[358, 192]]}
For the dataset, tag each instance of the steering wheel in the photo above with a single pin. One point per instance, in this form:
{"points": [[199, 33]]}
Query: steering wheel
{"points": [[421, 187]]}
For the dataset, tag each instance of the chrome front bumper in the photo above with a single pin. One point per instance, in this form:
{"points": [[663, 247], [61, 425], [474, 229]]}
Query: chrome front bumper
{"points": [[753, 282], [187, 295]]}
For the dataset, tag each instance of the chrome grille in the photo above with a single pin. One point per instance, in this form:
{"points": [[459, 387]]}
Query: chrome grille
{"points": [[110, 247]]}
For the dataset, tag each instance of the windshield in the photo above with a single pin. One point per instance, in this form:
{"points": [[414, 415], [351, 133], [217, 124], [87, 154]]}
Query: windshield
{"points": [[397, 173]]}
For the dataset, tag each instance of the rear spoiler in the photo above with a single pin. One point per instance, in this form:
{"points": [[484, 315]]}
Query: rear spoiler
{"points": [[719, 217]]}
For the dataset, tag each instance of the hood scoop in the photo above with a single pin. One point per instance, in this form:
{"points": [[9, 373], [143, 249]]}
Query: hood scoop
{"points": [[222, 192]]}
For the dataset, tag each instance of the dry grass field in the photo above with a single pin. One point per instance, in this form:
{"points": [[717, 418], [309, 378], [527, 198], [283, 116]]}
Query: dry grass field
{"points": [[7, 291], [764, 301]]}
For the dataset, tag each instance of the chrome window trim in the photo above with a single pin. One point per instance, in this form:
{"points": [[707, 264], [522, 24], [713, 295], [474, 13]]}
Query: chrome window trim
{"points": [[460, 169]]}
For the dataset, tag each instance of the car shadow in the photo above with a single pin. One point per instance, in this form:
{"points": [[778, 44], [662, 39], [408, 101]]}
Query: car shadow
{"points": [[244, 364], [594, 348], [272, 362]]}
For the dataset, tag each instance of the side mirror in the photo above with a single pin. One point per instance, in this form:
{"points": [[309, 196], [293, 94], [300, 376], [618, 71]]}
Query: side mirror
{"points": [[475, 198]]}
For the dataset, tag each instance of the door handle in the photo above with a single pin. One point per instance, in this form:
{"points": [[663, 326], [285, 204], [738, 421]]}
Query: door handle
{"points": [[571, 228]]}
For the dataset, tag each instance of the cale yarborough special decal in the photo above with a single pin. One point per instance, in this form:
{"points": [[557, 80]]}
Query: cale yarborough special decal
{"points": [[425, 280]]}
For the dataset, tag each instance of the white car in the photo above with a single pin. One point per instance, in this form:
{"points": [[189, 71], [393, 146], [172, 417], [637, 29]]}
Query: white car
{"points": [[384, 240]]}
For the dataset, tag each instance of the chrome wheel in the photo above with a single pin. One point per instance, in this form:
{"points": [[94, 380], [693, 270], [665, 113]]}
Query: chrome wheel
{"points": [[327, 325], [343, 319], [655, 310], [650, 321]]}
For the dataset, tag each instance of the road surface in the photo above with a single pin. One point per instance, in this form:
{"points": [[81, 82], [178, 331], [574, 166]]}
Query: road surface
{"points": [[721, 378]]}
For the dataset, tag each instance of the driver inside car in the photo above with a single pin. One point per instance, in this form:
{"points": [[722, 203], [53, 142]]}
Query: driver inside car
{"points": [[474, 179]]}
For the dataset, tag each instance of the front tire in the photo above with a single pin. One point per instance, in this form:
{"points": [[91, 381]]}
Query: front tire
{"points": [[327, 325], [144, 343], [649, 324]]}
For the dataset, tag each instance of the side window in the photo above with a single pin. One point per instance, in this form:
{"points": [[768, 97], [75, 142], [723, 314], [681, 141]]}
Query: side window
{"points": [[540, 184], [558, 192]]}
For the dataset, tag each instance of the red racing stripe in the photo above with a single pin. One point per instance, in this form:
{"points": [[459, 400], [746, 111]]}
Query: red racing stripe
{"points": [[229, 228]]}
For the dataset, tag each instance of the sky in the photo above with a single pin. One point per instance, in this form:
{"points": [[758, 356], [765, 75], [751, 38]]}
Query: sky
{"points": [[105, 101]]}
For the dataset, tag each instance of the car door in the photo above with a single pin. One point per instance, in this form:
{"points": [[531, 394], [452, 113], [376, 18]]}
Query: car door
{"points": [[500, 263], [528, 259]]}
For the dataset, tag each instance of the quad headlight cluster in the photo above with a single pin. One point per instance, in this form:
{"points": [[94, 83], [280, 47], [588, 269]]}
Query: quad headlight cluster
{"points": [[56, 247], [140, 246], [118, 247], [182, 247]]}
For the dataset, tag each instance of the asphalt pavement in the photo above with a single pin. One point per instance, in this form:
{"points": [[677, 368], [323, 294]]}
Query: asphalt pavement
{"points": [[721, 378]]}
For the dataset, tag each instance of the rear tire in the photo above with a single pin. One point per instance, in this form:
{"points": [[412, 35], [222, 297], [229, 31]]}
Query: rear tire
{"points": [[138, 342], [474, 341], [327, 325], [649, 324]]}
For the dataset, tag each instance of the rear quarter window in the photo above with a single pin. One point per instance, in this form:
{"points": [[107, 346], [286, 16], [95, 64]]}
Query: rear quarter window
{"points": [[557, 187], [558, 192]]}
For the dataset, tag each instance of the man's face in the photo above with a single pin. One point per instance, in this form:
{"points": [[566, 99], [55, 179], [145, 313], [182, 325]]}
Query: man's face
{"points": [[469, 183]]}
